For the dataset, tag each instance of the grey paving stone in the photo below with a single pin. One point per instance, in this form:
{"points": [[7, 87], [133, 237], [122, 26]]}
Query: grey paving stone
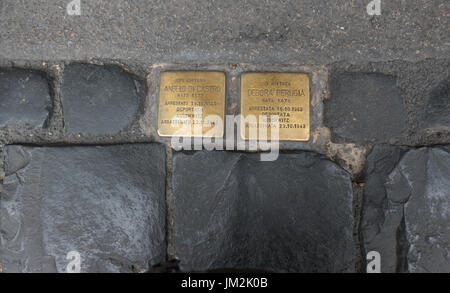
{"points": [[107, 203], [438, 107], [364, 107], [233, 211], [407, 208], [24, 98], [98, 100]]}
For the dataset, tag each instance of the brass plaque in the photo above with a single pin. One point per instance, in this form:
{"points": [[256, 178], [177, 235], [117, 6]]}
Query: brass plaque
{"points": [[191, 103], [285, 95]]}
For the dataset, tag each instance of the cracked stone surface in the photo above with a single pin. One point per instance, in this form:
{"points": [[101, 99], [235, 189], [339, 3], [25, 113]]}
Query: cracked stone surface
{"points": [[99, 99], [233, 211], [106, 202], [24, 98], [407, 208]]}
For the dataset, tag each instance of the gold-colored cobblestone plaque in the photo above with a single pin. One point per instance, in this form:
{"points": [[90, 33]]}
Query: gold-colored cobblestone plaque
{"points": [[285, 95], [191, 104]]}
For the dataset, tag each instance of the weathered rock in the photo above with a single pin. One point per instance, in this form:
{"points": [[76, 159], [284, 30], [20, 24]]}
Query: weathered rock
{"points": [[364, 107], [98, 100], [24, 98], [233, 211], [106, 202], [407, 208], [438, 108]]}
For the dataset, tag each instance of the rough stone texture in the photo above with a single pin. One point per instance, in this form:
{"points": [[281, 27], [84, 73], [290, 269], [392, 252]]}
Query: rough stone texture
{"points": [[24, 98], [423, 89], [438, 108], [107, 203], [98, 99], [182, 31], [233, 211], [407, 208], [316, 37], [365, 107]]}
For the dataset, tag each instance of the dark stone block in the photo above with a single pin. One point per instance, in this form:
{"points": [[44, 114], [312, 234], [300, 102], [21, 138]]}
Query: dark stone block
{"points": [[364, 107], [233, 211], [407, 208], [99, 100], [107, 203], [438, 107], [24, 98]]}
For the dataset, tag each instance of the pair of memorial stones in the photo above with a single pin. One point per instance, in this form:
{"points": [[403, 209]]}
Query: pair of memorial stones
{"points": [[104, 100], [229, 209]]}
